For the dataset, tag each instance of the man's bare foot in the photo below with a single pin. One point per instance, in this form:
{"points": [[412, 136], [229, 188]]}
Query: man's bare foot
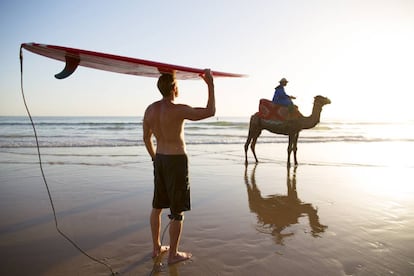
{"points": [[162, 249], [179, 257]]}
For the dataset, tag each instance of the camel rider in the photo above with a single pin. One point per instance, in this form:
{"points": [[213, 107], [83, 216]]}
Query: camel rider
{"points": [[280, 96]]}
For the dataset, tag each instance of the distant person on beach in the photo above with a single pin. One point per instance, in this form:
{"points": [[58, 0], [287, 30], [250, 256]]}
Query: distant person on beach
{"points": [[280, 96], [165, 120]]}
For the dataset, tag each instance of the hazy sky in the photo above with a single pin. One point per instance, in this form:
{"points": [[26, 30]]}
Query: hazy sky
{"points": [[359, 53]]}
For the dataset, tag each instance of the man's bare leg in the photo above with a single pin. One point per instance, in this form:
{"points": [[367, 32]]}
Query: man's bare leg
{"points": [[155, 221], [175, 234]]}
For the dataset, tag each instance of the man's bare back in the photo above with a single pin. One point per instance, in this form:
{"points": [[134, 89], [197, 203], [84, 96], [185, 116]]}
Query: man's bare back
{"points": [[165, 120]]}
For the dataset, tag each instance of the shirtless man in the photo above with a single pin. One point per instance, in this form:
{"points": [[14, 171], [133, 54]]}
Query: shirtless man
{"points": [[165, 120]]}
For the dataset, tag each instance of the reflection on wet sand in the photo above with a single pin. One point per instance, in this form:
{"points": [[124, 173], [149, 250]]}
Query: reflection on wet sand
{"points": [[275, 213], [161, 268]]}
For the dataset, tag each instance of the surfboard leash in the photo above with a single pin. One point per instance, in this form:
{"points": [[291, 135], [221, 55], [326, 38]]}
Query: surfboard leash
{"points": [[45, 181]]}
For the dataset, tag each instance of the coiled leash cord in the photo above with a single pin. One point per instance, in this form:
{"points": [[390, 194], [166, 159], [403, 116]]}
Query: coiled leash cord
{"points": [[44, 177]]}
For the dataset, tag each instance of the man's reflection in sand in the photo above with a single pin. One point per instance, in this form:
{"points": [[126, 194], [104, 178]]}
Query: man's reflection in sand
{"points": [[275, 213]]}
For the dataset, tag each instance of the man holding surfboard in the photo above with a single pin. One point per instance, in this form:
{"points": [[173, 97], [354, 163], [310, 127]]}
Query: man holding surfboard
{"points": [[165, 120]]}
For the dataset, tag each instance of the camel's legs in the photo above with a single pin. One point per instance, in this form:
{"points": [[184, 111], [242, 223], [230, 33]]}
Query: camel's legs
{"points": [[253, 146], [289, 149], [251, 140], [246, 147], [254, 133], [295, 147], [292, 146]]}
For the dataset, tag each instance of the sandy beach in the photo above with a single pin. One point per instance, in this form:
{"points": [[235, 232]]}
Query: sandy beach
{"points": [[329, 216]]}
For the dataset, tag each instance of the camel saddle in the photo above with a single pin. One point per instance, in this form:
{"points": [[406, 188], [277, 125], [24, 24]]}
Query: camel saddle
{"points": [[276, 112]]}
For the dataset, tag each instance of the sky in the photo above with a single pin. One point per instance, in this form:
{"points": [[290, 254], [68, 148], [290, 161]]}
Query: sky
{"points": [[357, 53]]}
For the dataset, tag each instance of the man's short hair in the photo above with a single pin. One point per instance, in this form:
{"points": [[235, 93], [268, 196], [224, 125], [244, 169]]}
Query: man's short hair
{"points": [[166, 84]]}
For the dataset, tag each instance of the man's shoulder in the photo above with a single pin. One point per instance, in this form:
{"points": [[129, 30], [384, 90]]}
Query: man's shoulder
{"points": [[182, 106], [158, 106], [154, 105], [151, 109]]}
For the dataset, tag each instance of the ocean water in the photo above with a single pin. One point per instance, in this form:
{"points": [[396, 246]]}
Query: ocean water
{"points": [[70, 132], [363, 143]]}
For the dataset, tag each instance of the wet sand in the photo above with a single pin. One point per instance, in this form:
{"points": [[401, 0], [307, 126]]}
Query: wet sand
{"points": [[337, 213]]}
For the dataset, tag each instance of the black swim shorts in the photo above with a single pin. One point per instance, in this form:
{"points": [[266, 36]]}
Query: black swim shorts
{"points": [[171, 185]]}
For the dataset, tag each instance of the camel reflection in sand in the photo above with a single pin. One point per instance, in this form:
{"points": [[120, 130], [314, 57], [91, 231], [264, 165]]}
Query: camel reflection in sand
{"points": [[275, 213]]}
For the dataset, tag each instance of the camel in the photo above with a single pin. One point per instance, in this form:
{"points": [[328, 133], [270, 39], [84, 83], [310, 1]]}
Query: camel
{"points": [[277, 213], [290, 127]]}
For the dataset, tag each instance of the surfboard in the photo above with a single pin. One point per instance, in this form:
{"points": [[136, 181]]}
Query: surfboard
{"points": [[114, 63]]}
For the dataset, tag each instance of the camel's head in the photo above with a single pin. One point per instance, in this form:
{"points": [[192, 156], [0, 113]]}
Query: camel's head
{"points": [[321, 100]]}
